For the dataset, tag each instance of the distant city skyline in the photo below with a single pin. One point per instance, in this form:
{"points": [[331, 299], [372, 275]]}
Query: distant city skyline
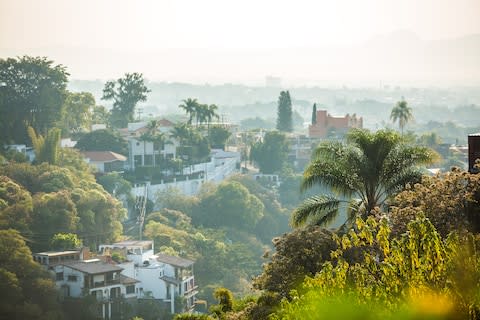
{"points": [[216, 41]]}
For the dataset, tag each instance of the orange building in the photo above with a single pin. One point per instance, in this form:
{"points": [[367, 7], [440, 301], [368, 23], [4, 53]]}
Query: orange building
{"points": [[325, 123]]}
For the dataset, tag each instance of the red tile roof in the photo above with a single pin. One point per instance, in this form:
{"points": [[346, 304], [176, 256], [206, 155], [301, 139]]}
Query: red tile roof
{"points": [[103, 156]]}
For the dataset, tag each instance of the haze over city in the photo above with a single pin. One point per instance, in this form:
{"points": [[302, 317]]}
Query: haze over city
{"points": [[327, 43]]}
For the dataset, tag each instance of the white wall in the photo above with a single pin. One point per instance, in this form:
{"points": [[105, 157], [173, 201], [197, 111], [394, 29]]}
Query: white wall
{"points": [[217, 170], [75, 286], [150, 280]]}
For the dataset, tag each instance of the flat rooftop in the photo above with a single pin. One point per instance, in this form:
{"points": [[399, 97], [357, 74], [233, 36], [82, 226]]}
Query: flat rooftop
{"points": [[130, 243], [174, 261], [56, 253]]}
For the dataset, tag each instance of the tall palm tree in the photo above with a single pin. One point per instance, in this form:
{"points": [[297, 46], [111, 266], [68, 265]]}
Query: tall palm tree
{"points": [[366, 170], [401, 113], [145, 137], [201, 112], [211, 113], [191, 107], [156, 137]]}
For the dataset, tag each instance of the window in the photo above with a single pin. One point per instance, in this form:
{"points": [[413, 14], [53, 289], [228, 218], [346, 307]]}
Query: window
{"points": [[130, 289], [59, 276], [72, 278]]}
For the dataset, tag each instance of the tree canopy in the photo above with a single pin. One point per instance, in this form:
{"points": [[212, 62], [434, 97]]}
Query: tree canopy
{"points": [[29, 293], [126, 92], [77, 112], [32, 91], [284, 112], [102, 140], [367, 169], [232, 205], [271, 154]]}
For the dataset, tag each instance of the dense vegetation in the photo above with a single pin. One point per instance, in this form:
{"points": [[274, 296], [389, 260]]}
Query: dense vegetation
{"points": [[409, 249]]}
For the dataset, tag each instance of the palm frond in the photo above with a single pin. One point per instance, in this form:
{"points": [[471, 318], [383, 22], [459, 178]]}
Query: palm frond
{"points": [[399, 182], [329, 174], [317, 209]]}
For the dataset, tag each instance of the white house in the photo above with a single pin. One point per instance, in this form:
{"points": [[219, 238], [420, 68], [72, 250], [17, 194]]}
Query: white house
{"points": [[105, 161], [160, 276], [148, 153], [79, 278]]}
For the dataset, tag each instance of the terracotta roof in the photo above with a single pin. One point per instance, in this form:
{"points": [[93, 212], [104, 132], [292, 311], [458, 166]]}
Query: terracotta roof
{"points": [[165, 123], [103, 156], [174, 261], [91, 267]]}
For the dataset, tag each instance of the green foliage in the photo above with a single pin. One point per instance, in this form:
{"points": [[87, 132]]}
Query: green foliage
{"points": [[46, 148], [271, 154], [126, 92], [201, 112], [151, 309], [299, 253], [418, 272], [173, 198], [194, 147], [401, 113], [59, 200], [225, 301], [257, 123], [77, 112], [449, 200], [232, 205], [314, 114], [15, 205], [368, 169], [275, 219], [100, 115], [33, 95], [190, 316], [218, 137], [65, 241], [115, 184], [102, 140], [284, 113], [29, 292]]}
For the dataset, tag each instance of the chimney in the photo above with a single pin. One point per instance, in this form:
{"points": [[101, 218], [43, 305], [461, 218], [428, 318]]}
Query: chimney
{"points": [[473, 151], [84, 253]]}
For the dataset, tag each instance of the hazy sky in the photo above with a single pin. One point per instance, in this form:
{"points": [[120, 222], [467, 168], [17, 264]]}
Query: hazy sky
{"points": [[132, 34], [152, 24]]}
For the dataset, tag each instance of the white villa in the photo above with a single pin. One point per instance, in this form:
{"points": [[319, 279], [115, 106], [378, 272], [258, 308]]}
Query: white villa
{"points": [[161, 277]]}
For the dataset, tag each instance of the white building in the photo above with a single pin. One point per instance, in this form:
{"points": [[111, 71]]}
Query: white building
{"points": [[105, 161], [160, 276], [79, 278], [148, 153]]}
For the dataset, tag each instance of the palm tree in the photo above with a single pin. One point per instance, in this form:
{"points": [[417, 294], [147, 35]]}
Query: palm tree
{"points": [[201, 112], [191, 107], [367, 170], [211, 113], [401, 113], [157, 138], [145, 137]]}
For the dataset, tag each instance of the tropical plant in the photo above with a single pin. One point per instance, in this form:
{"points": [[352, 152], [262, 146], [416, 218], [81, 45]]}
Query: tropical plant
{"points": [[46, 148], [401, 113], [417, 275], [366, 170], [191, 107]]}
